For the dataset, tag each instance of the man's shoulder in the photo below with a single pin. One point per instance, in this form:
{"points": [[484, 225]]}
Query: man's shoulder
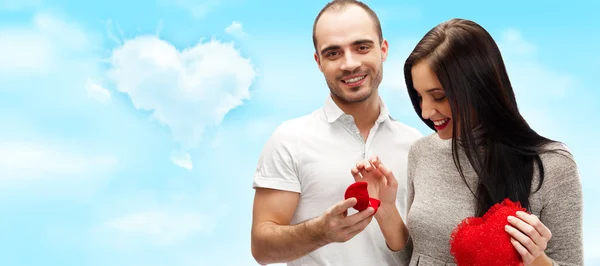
{"points": [[294, 126], [405, 130]]}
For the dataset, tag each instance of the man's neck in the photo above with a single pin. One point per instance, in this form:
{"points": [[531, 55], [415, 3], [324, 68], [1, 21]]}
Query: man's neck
{"points": [[365, 113]]}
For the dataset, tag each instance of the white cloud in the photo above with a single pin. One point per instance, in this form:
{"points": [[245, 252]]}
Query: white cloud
{"points": [[197, 9], [15, 5], [527, 74], [236, 30], [538, 88], [97, 92], [591, 232], [513, 43], [182, 159], [394, 14], [47, 45], [187, 90], [26, 160], [49, 58], [393, 68], [253, 130], [157, 219], [23, 51], [163, 227], [535, 80], [592, 249]]}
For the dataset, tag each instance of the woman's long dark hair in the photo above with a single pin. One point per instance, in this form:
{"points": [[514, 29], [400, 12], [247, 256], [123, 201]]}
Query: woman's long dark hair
{"points": [[505, 150]]}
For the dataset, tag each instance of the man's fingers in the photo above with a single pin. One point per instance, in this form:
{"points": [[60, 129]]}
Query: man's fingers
{"points": [[345, 227], [358, 227], [357, 217], [342, 206]]}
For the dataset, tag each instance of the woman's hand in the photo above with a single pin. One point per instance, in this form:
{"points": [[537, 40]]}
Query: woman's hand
{"points": [[529, 236], [382, 184]]}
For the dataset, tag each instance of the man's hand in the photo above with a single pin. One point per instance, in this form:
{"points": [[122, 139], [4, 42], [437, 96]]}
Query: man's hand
{"points": [[275, 240], [337, 226]]}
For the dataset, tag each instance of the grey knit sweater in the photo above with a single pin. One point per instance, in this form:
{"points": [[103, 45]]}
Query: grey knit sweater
{"points": [[438, 200]]}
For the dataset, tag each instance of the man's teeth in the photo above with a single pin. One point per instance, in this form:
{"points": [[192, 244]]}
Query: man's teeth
{"points": [[440, 122], [352, 80]]}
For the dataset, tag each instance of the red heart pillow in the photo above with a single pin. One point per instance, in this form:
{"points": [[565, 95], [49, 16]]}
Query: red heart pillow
{"points": [[483, 240], [359, 191]]}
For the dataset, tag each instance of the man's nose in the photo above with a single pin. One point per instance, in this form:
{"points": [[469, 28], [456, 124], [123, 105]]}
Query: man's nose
{"points": [[350, 62]]}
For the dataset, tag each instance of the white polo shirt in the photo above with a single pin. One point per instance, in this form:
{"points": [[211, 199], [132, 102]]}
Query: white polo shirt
{"points": [[313, 155]]}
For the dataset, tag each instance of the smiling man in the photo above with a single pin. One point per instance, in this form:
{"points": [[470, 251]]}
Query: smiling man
{"points": [[300, 215]]}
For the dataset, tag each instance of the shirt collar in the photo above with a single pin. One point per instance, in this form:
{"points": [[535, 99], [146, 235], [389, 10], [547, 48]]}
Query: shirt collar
{"points": [[333, 111]]}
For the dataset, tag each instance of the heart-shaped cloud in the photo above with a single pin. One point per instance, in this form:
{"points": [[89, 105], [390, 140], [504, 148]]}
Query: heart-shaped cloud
{"points": [[483, 240], [188, 90]]}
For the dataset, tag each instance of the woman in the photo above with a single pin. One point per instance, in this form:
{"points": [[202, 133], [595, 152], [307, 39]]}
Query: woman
{"points": [[483, 151]]}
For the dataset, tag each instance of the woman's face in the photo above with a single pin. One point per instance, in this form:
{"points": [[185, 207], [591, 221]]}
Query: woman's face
{"points": [[432, 97]]}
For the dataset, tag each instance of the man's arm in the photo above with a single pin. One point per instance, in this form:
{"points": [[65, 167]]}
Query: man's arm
{"points": [[274, 240]]}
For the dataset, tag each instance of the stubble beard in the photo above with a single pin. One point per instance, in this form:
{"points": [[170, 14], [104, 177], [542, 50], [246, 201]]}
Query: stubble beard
{"points": [[373, 85]]}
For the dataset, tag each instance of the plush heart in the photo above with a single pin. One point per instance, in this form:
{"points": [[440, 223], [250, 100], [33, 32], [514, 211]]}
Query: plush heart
{"points": [[359, 191], [483, 240]]}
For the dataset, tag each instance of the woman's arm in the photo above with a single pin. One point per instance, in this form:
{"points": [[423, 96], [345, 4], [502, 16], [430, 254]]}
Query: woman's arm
{"points": [[382, 184], [555, 238]]}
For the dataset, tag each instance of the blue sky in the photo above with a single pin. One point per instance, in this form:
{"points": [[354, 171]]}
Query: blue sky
{"points": [[128, 140]]}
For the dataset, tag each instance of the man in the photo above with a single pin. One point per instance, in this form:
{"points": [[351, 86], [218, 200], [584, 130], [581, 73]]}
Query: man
{"points": [[300, 215]]}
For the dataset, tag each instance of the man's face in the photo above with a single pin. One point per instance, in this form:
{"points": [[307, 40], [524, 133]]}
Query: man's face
{"points": [[349, 53]]}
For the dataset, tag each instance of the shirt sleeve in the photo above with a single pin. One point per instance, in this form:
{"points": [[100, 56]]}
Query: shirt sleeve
{"points": [[563, 208], [277, 164]]}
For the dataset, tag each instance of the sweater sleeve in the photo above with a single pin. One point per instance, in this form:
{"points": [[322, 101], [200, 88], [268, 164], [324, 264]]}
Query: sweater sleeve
{"points": [[563, 208], [404, 255]]}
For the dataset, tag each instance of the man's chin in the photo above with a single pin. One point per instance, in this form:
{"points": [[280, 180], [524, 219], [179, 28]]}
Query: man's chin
{"points": [[355, 97]]}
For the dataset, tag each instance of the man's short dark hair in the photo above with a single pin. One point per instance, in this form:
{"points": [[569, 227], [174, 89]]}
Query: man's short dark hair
{"points": [[339, 5]]}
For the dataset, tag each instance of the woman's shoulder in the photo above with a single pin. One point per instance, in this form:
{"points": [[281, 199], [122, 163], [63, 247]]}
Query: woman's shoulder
{"points": [[428, 143], [559, 164], [556, 153]]}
